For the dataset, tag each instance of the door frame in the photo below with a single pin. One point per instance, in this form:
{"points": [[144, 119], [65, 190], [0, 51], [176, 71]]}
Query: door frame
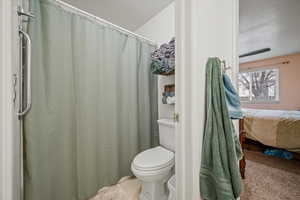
{"points": [[6, 151], [9, 138], [204, 28]]}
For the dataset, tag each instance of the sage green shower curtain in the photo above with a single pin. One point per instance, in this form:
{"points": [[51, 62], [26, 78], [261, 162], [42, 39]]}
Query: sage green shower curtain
{"points": [[94, 105]]}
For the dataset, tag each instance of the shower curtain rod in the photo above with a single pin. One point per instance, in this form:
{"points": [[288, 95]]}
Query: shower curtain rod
{"points": [[102, 21]]}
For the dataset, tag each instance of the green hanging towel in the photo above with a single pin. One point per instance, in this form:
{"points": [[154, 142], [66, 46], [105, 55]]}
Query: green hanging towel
{"points": [[219, 174]]}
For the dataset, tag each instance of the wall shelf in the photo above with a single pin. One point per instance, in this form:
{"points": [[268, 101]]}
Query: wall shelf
{"points": [[169, 94], [168, 74]]}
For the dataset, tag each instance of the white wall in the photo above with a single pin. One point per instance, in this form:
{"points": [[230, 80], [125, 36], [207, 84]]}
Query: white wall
{"points": [[161, 28], [9, 134], [6, 133], [206, 28]]}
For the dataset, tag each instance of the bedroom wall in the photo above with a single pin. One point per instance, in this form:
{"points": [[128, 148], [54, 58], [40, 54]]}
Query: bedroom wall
{"points": [[289, 82], [161, 28]]}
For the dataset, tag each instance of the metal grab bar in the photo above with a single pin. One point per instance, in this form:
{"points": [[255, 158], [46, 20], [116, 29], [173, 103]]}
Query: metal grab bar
{"points": [[28, 80], [22, 12]]}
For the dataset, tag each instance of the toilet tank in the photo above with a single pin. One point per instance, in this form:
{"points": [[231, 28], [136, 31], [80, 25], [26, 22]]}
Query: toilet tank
{"points": [[167, 133]]}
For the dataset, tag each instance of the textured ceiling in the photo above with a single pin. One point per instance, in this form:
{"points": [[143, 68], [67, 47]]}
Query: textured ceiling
{"points": [[129, 14], [269, 23]]}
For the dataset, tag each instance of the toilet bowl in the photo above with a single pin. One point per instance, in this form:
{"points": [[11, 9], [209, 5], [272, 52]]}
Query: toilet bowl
{"points": [[154, 167]]}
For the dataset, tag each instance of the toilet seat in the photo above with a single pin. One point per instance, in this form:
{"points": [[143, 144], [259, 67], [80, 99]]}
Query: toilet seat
{"points": [[154, 159]]}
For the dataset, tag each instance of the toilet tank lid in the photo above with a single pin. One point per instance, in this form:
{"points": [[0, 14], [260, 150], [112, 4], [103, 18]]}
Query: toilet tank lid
{"points": [[166, 122]]}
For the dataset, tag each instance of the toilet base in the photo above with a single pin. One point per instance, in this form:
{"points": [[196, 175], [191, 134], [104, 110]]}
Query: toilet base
{"points": [[154, 191]]}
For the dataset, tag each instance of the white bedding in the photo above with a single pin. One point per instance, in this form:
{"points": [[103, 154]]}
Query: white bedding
{"points": [[272, 113]]}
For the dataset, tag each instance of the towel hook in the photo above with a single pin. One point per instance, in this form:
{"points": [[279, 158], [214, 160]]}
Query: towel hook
{"points": [[223, 66]]}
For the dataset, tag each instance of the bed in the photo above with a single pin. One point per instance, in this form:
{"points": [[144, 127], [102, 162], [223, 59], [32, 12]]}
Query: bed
{"points": [[276, 128]]}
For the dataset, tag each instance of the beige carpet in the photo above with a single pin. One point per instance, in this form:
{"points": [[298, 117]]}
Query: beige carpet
{"points": [[270, 178]]}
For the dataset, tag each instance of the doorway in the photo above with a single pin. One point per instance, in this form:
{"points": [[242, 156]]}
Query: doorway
{"points": [[269, 88]]}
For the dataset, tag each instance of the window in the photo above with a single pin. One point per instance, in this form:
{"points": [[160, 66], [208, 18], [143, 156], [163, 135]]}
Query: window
{"points": [[259, 85]]}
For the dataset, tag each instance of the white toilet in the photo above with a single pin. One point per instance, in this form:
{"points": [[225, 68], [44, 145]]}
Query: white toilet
{"points": [[154, 167]]}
